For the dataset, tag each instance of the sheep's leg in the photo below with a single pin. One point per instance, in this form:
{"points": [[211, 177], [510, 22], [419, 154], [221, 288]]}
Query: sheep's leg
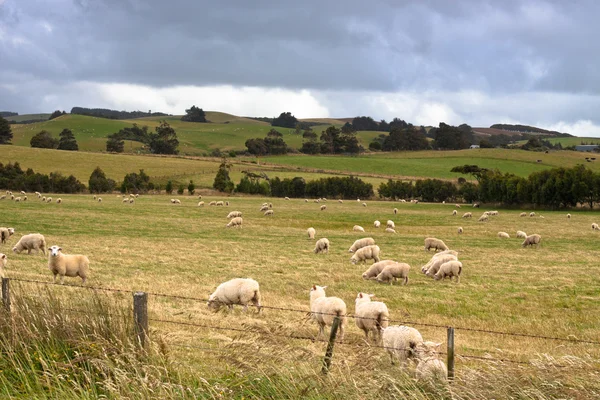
{"points": [[54, 280], [230, 306], [28, 251], [245, 307], [406, 280], [62, 279]]}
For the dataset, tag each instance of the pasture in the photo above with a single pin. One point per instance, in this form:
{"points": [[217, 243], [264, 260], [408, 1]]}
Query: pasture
{"points": [[185, 250]]}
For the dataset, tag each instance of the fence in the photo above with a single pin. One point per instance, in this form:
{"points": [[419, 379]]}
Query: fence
{"points": [[142, 320]]}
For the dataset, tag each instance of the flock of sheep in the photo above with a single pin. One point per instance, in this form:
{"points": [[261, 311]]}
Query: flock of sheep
{"points": [[18, 199]]}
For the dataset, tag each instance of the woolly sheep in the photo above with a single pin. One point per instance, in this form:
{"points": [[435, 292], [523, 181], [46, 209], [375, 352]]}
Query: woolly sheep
{"points": [[17, 199], [395, 211], [322, 246], [402, 342], [44, 199], [503, 235], [454, 212], [460, 230], [568, 216], [38, 194], [25, 199], [323, 207], [390, 230], [125, 200], [358, 228], [483, 218], [12, 197], [22, 192], [2, 197], [364, 204], [467, 215], [340, 201], [449, 269], [71, 265], [494, 213], [432, 370], [287, 198], [49, 200], [99, 199], [434, 265], [131, 200], [270, 205], [200, 204], [306, 200], [58, 201], [264, 208], [240, 291], [227, 204], [358, 200], [521, 234], [324, 309], [234, 214], [595, 227], [5, 233], [311, 233], [433, 243], [219, 203], [366, 253], [370, 316], [475, 205], [269, 213], [392, 272], [531, 240], [377, 224], [199, 197], [95, 197], [212, 203], [402, 201], [390, 224], [457, 205], [523, 214], [360, 243], [532, 214], [235, 222], [33, 241], [376, 268], [3, 262]]}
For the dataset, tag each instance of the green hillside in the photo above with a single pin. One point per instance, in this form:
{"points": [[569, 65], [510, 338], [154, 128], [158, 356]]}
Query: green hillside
{"points": [[27, 117], [574, 141]]}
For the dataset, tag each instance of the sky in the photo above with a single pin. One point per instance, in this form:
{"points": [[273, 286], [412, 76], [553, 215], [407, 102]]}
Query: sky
{"points": [[478, 62]]}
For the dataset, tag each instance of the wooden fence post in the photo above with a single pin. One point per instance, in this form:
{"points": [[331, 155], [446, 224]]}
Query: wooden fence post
{"points": [[450, 353], [329, 352], [6, 293], [140, 315]]}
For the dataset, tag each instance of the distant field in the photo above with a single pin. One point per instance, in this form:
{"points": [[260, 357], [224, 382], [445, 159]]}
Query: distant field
{"points": [[27, 117], [574, 141]]}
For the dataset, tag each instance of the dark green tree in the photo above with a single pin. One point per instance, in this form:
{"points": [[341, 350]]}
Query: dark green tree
{"points": [[223, 182], [56, 114], [181, 189], [135, 183], [43, 140], [164, 141], [99, 183], [169, 187], [286, 120], [67, 140], [115, 144], [194, 114], [452, 138], [5, 132], [191, 188], [257, 147]]}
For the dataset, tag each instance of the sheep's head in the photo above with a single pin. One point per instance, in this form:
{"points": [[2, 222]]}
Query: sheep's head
{"points": [[213, 304], [14, 249], [353, 259], [55, 250], [437, 276], [11, 231], [317, 291], [3, 259]]}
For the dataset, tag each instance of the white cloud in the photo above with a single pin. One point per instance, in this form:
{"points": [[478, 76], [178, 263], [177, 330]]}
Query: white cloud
{"points": [[585, 128]]}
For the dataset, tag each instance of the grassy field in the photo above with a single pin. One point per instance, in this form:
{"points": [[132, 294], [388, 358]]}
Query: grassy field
{"points": [[27, 117], [574, 141], [185, 250]]}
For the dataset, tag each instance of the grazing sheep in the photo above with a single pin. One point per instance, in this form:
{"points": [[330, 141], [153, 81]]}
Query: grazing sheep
{"points": [[235, 222], [322, 246], [433, 266], [494, 213], [360, 243], [25, 199], [503, 235], [376, 268], [44, 199], [33, 241], [390, 224], [377, 224], [358, 200], [467, 215], [95, 197], [240, 291], [175, 201], [71, 265], [449, 269], [324, 309], [131, 200], [234, 214], [12, 196], [3, 262], [58, 201], [364, 204], [219, 203], [532, 214], [531, 240], [200, 204], [311, 233], [366, 253], [402, 342], [125, 200], [38, 194], [483, 218], [568, 216], [454, 212], [475, 205], [523, 214], [48, 199], [227, 204], [358, 228], [431, 370], [390, 230], [268, 213], [392, 272], [17, 199], [521, 234], [2, 197], [396, 210], [212, 203], [270, 205], [595, 227], [323, 207], [340, 201], [199, 197], [287, 198], [5, 233], [370, 316], [457, 205], [306, 200], [99, 199], [264, 208], [433, 243], [460, 230], [22, 192]]}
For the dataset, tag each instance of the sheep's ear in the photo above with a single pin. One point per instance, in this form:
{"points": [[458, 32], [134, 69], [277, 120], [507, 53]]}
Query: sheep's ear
{"points": [[60, 249], [360, 296], [371, 295], [314, 287], [323, 287], [3, 256]]}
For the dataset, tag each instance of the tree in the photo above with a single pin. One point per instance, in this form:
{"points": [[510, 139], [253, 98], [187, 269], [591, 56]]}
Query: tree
{"points": [[56, 114], [453, 138], [169, 187], [257, 147], [181, 189], [223, 182], [194, 114], [286, 120], [474, 170], [98, 182], [5, 132], [191, 188], [164, 141], [135, 183], [43, 140], [115, 144], [67, 141]]}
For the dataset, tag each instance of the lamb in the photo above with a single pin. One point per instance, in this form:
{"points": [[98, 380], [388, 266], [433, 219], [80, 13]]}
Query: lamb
{"points": [[457, 205], [234, 214], [17, 199], [376, 268], [33, 241], [200, 204], [5, 233], [49, 200], [523, 214], [460, 230], [264, 208], [521, 234], [212, 203], [467, 215], [371, 316], [402, 342], [503, 235], [483, 218], [219, 203], [240, 291], [449, 269], [324, 309], [433, 266], [431, 369], [595, 227], [340, 201], [390, 230], [235, 222], [131, 200], [454, 212], [322, 246], [68, 265], [531, 240], [360, 243], [268, 213], [433, 243], [364, 204], [377, 224], [3, 261], [366, 253], [58, 201], [390, 224], [358, 228], [323, 207], [311, 233], [392, 272], [532, 214], [395, 211]]}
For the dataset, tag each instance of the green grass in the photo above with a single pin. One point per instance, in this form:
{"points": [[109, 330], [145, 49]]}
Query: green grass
{"points": [[26, 117], [574, 141]]}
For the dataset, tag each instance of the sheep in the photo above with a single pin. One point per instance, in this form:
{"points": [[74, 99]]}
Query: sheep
{"points": [[199, 197], [467, 215], [390, 224], [568, 216], [377, 224], [454, 212], [322, 246], [317, 201], [270, 205], [99, 199], [95, 197], [475, 205], [3, 262], [358, 228], [234, 214], [595, 227], [12, 197], [268, 213], [306, 200], [324, 309], [200, 204], [43, 199], [287, 198], [494, 213], [17, 199], [395, 211], [364, 204], [483, 218], [433, 243], [263, 208], [532, 214], [240, 291], [125, 200], [219, 203], [25, 199], [311, 232], [390, 230], [38, 194], [71, 265], [23, 193], [460, 230], [523, 214], [392, 272], [131, 200], [503, 235], [324, 199], [531, 240], [366, 253], [227, 204], [431, 369], [58, 201], [49, 200], [5, 233], [449, 269], [457, 205], [376, 268], [235, 222], [358, 200], [370, 316], [175, 201], [33, 241], [433, 266], [360, 243], [3, 197], [212, 203], [340, 201], [521, 234], [402, 342], [323, 207]]}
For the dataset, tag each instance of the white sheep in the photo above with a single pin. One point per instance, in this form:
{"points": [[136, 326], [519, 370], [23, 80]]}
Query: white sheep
{"points": [[431, 268], [3, 262], [523, 214], [43, 199], [227, 204], [270, 205], [431, 370], [219, 203], [3, 197], [449, 269], [595, 227], [532, 214], [323, 207], [376, 268], [392, 272], [269, 213], [71, 265], [17, 199], [324, 309], [48, 199], [234, 214], [377, 224], [503, 235], [460, 230], [402, 342], [22, 192], [370, 316], [240, 291], [33, 241], [568, 216], [484, 217], [199, 197], [433, 243], [99, 199], [454, 212], [176, 201], [200, 204], [58, 201], [95, 197], [125, 200], [390, 224], [25, 199], [467, 215], [212, 203], [235, 222], [457, 205], [264, 208], [366, 253], [364, 204], [390, 230], [5, 233], [531, 240], [395, 211], [358, 228], [521, 234], [360, 243], [306, 200], [311, 232], [322, 246], [340, 201], [287, 198]]}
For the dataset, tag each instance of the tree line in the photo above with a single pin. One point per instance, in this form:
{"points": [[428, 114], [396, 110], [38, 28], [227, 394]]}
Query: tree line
{"points": [[114, 114], [13, 177]]}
